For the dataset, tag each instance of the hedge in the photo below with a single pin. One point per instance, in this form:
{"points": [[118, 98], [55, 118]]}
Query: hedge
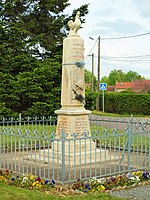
{"points": [[120, 103]]}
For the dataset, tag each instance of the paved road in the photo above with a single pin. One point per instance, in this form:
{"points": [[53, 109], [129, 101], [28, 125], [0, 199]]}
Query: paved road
{"points": [[137, 193], [118, 123]]}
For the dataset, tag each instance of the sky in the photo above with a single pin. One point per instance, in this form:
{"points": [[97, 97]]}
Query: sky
{"points": [[115, 19]]}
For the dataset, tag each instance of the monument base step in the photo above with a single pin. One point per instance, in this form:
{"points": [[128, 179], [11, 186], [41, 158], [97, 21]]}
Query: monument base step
{"points": [[82, 158]]}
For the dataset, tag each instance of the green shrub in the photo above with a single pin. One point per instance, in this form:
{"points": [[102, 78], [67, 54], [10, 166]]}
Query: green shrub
{"points": [[120, 103]]}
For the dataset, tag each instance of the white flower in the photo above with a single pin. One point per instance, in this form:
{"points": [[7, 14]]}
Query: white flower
{"points": [[22, 182], [25, 179], [132, 178], [99, 181], [137, 178]]}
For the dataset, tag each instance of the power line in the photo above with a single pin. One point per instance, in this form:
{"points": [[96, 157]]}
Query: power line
{"points": [[116, 38], [136, 56], [138, 59], [125, 37], [125, 60], [87, 62], [91, 49]]}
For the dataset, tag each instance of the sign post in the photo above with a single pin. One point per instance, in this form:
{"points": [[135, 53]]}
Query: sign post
{"points": [[103, 87]]}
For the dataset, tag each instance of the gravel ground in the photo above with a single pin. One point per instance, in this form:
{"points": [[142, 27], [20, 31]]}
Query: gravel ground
{"points": [[137, 193]]}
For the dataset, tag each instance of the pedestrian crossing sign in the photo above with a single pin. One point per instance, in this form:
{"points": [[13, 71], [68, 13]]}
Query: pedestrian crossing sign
{"points": [[103, 86]]}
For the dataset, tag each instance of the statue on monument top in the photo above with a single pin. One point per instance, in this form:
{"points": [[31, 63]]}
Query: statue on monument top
{"points": [[74, 26]]}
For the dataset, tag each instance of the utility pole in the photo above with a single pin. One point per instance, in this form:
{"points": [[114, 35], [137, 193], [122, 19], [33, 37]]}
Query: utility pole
{"points": [[98, 76], [98, 67], [98, 73], [92, 72]]}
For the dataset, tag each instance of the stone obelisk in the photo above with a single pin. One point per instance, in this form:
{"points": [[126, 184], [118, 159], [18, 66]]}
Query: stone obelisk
{"points": [[73, 117]]}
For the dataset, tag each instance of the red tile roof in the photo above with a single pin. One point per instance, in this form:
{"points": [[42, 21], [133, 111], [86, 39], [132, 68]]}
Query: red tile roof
{"points": [[141, 84], [124, 85]]}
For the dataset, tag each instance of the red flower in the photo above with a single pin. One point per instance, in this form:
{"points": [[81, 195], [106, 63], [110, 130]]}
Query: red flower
{"points": [[38, 179], [7, 172]]}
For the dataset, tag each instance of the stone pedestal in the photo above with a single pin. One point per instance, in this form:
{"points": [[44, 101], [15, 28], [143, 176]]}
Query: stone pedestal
{"points": [[73, 121]]}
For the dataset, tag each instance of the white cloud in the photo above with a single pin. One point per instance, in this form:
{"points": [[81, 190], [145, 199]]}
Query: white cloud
{"points": [[115, 18]]}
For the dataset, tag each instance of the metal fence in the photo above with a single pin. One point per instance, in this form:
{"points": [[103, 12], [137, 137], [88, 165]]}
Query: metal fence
{"points": [[114, 146]]}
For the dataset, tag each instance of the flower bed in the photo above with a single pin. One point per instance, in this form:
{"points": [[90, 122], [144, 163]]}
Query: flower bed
{"points": [[93, 185], [113, 183], [26, 181]]}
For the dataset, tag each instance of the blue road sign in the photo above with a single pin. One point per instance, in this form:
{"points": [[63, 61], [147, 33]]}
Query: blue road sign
{"points": [[103, 86]]}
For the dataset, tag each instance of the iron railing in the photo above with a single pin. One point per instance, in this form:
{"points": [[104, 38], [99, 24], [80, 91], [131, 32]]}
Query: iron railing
{"points": [[114, 146]]}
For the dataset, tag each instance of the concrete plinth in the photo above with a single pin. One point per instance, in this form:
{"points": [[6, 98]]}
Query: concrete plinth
{"points": [[73, 121], [72, 159], [78, 152]]}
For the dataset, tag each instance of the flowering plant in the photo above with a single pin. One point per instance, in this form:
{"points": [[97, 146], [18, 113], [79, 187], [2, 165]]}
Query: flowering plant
{"points": [[26, 181], [31, 182], [111, 183]]}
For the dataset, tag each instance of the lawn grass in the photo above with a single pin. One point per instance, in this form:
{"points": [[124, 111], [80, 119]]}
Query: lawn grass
{"points": [[8, 192], [103, 136], [118, 139], [94, 112], [33, 128]]}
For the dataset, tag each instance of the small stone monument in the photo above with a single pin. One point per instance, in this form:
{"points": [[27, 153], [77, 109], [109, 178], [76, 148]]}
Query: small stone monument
{"points": [[73, 117]]}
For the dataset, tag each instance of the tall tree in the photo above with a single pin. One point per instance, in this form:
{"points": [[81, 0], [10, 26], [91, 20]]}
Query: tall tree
{"points": [[36, 26], [31, 35], [88, 79], [120, 76], [104, 79], [132, 76], [115, 75]]}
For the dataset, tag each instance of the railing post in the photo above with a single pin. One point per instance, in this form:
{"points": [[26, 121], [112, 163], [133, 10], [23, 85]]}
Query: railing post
{"points": [[129, 143], [20, 120], [63, 156], [3, 122]]}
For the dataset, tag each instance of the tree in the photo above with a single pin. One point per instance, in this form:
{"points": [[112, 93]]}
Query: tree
{"points": [[37, 27], [104, 79], [88, 78], [120, 76], [115, 75], [40, 85], [31, 35], [132, 76]]}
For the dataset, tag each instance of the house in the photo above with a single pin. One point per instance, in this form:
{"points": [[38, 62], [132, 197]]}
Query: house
{"points": [[122, 86], [111, 88], [140, 86]]}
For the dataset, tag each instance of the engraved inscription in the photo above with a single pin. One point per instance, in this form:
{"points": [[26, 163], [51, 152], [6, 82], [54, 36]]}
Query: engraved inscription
{"points": [[64, 124], [81, 125], [78, 50]]}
